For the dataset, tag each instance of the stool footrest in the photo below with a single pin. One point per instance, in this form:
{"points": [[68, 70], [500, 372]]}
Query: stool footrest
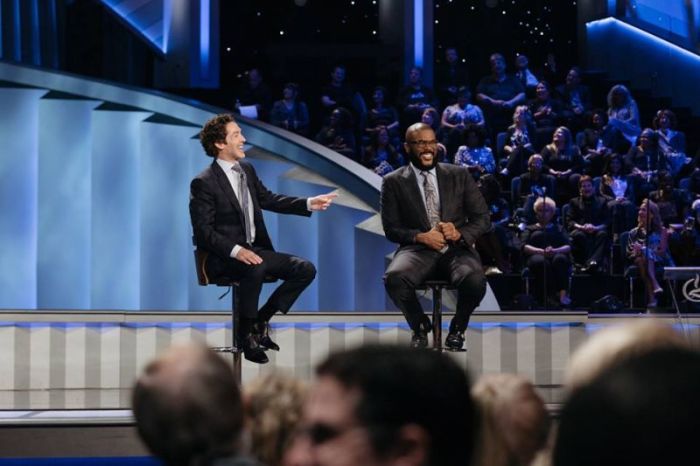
{"points": [[226, 349]]}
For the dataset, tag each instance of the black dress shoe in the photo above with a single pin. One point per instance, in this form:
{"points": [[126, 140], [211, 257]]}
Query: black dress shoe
{"points": [[252, 351], [262, 334], [419, 339], [454, 341]]}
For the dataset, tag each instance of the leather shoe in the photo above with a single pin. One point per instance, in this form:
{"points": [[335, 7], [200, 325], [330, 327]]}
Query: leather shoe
{"points": [[419, 339], [454, 341], [262, 334], [252, 351]]}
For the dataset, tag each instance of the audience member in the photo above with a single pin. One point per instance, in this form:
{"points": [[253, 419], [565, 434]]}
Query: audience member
{"points": [[687, 249], [618, 188], [520, 142], [273, 407], [623, 113], [526, 77], [493, 244], [576, 98], [384, 405], [339, 134], [475, 155], [671, 142], [642, 411], [499, 94], [673, 203], [456, 117], [647, 247], [562, 160], [547, 246], [289, 113], [380, 115], [450, 75], [188, 409], [534, 182], [514, 423], [337, 93], [381, 156], [644, 161], [599, 140], [545, 110], [587, 221], [415, 97], [254, 92]]}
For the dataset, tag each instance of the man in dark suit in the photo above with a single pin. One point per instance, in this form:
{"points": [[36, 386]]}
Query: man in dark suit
{"points": [[434, 212], [587, 221], [226, 202]]}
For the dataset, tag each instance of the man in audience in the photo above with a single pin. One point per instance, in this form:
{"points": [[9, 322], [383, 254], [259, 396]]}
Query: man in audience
{"points": [[526, 77], [188, 409], [498, 95], [450, 75], [576, 98], [254, 92], [587, 221], [336, 93], [385, 405], [435, 212], [414, 97]]}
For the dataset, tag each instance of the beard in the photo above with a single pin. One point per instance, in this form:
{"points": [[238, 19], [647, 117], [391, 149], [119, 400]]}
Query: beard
{"points": [[416, 161]]}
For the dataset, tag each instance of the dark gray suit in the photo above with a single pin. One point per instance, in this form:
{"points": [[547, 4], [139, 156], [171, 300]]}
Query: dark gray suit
{"points": [[218, 224], [404, 216]]}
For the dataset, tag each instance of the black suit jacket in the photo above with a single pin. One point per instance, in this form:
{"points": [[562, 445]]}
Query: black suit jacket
{"points": [[595, 212], [217, 218], [403, 210]]}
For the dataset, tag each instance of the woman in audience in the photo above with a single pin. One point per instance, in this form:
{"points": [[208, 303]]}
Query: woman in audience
{"points": [[618, 187], [339, 135], [520, 142], [623, 113], [644, 161], [455, 118], [380, 156], [545, 110], [599, 141], [673, 203], [492, 245], [548, 247], [289, 113], [563, 161], [671, 142], [647, 247], [475, 155], [514, 427], [381, 115], [273, 407]]}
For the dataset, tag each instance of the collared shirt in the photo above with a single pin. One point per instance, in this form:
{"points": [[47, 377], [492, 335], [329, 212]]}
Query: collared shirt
{"points": [[432, 178], [234, 179]]}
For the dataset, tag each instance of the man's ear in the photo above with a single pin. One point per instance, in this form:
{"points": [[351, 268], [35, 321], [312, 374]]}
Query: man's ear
{"points": [[412, 446], [220, 145]]}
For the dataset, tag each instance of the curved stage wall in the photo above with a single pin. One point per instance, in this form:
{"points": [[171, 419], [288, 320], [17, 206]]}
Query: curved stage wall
{"points": [[94, 186]]}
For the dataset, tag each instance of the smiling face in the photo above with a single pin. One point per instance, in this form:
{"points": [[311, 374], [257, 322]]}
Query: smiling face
{"points": [[542, 91], [421, 146], [231, 148]]}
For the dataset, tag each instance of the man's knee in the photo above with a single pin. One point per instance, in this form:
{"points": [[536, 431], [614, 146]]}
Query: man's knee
{"points": [[473, 283], [306, 270], [395, 280]]}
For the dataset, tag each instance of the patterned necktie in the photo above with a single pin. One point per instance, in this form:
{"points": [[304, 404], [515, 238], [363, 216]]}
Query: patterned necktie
{"points": [[243, 199], [431, 200]]}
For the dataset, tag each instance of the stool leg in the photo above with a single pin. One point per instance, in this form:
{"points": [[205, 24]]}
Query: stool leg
{"points": [[236, 348], [437, 318]]}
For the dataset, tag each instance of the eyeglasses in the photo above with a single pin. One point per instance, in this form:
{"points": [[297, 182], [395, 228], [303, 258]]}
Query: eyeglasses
{"points": [[422, 143]]}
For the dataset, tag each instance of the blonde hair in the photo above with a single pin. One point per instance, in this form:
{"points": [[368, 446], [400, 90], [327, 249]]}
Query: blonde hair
{"points": [[273, 405], [612, 345], [514, 422], [544, 200]]}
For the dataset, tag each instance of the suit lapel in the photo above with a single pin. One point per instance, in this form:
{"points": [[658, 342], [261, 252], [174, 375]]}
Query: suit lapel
{"points": [[225, 186], [414, 196]]}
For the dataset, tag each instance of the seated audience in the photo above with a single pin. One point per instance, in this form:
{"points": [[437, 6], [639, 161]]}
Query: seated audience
{"points": [[546, 245], [380, 156], [673, 203], [563, 161], [339, 134], [647, 247], [641, 411], [599, 141], [498, 94], [644, 161], [526, 77], [671, 142], [337, 93], [520, 143], [493, 245], [618, 188], [576, 99], [381, 115], [289, 113], [457, 117], [534, 182], [475, 155], [254, 92], [545, 110], [273, 409], [383, 405], [415, 97], [587, 222], [450, 75], [514, 423], [188, 409], [687, 249], [623, 113]]}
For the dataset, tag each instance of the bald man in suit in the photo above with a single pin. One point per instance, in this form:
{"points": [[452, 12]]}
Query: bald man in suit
{"points": [[434, 212]]}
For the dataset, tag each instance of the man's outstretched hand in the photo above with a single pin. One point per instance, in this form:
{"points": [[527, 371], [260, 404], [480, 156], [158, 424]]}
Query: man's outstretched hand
{"points": [[322, 201]]}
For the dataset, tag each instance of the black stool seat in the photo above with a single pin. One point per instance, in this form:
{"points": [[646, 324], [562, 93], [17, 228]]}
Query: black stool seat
{"points": [[436, 286]]}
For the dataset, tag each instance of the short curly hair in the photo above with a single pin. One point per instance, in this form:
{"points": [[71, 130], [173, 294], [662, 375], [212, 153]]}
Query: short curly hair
{"points": [[214, 131]]}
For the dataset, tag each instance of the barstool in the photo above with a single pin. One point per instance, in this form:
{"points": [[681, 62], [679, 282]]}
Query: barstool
{"points": [[436, 286], [200, 259]]}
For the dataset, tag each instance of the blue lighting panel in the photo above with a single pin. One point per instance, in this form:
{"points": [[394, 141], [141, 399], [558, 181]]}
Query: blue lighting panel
{"points": [[148, 18], [418, 32]]}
